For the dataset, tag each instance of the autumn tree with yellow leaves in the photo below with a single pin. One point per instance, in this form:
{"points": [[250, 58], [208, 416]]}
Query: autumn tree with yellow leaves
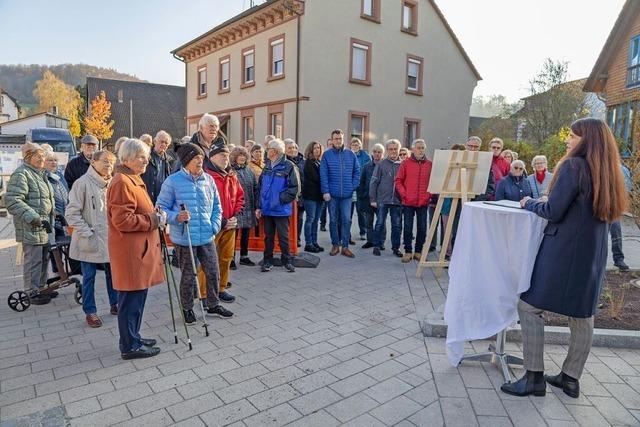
{"points": [[51, 92], [97, 122]]}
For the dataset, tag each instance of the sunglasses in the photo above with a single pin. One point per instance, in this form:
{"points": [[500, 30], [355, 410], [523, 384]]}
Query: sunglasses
{"points": [[518, 168]]}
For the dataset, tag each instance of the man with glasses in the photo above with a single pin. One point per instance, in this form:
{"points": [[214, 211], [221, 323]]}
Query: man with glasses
{"points": [[208, 129], [385, 198], [499, 165], [79, 165], [339, 177], [160, 165], [473, 144]]}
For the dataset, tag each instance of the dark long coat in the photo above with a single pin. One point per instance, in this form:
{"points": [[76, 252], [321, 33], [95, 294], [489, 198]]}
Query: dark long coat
{"points": [[249, 183], [569, 269]]}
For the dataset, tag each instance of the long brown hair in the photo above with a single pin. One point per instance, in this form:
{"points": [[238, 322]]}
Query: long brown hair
{"points": [[598, 147], [308, 153]]}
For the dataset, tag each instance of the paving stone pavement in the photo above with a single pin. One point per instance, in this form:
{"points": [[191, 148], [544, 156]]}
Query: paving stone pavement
{"points": [[336, 345]]}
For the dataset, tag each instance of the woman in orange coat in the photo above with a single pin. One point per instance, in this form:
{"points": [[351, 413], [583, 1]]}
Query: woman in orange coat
{"points": [[134, 246]]}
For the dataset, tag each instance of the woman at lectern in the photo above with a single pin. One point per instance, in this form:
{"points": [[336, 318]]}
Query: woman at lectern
{"points": [[586, 194]]}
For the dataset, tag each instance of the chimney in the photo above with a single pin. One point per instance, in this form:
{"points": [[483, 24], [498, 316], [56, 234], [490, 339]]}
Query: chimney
{"points": [[54, 110]]}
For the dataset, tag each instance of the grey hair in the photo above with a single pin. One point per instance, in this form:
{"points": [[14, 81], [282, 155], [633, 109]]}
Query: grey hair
{"points": [[146, 138], [185, 139], [278, 144], [418, 141], [162, 134], [393, 142], [119, 143], [289, 141], [475, 138], [132, 148], [356, 139], [208, 119], [378, 146], [268, 138], [518, 163], [538, 157]]}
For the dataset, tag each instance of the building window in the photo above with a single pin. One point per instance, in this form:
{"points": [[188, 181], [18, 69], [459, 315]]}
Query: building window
{"points": [[410, 17], [360, 70], [414, 75], [275, 115], [633, 71], [359, 127], [370, 9], [202, 81], [276, 57], [248, 67], [411, 131], [225, 79], [121, 95], [247, 125], [276, 125]]}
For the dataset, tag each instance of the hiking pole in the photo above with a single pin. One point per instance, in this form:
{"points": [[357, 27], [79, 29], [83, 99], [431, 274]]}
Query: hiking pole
{"points": [[195, 273], [167, 267], [175, 290]]}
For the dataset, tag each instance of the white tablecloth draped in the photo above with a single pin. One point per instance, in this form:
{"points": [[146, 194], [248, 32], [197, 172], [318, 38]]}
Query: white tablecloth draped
{"points": [[491, 266]]}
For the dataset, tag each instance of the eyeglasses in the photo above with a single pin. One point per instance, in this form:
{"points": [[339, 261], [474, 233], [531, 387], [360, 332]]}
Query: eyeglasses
{"points": [[517, 168], [495, 147]]}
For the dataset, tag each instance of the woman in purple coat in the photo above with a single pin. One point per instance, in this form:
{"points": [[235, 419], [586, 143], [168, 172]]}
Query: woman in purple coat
{"points": [[586, 194]]}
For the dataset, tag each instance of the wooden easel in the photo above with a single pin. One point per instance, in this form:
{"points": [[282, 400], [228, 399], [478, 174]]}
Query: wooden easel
{"points": [[463, 165]]}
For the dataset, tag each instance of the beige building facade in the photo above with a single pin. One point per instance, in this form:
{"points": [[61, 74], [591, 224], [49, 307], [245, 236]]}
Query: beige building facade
{"points": [[377, 69]]}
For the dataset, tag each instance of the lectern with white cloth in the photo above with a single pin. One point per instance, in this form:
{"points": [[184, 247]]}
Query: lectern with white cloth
{"points": [[491, 266]]}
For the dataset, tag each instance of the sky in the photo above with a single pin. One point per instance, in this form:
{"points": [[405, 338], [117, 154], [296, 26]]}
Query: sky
{"points": [[507, 40]]}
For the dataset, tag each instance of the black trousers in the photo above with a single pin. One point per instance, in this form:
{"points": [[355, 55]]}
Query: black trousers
{"points": [[244, 241], [281, 225]]}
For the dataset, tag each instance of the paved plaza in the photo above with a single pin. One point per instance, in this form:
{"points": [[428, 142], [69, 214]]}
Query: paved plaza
{"points": [[336, 345]]}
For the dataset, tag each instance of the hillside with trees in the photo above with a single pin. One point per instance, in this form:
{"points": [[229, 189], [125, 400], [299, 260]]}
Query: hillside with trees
{"points": [[20, 80]]}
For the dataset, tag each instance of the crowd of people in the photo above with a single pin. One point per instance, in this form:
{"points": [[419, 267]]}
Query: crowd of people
{"points": [[206, 191]]}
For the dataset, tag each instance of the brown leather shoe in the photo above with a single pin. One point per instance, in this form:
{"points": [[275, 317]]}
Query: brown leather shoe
{"points": [[94, 321], [334, 250], [347, 252], [114, 309]]}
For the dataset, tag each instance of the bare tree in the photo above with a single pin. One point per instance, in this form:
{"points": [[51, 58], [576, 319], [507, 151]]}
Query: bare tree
{"points": [[554, 102]]}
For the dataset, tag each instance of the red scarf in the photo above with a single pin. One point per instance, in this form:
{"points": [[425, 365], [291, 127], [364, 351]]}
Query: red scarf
{"points": [[540, 176]]}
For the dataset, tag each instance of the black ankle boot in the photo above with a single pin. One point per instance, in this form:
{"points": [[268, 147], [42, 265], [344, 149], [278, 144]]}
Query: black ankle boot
{"points": [[569, 385], [531, 383]]}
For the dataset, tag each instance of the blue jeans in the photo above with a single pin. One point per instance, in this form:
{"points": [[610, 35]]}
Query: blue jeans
{"points": [[362, 217], [421, 214], [340, 211], [323, 214], [396, 225], [616, 241], [88, 282], [130, 309], [313, 209]]}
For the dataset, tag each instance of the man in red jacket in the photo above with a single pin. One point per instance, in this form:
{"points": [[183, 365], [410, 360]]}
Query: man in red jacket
{"points": [[499, 165], [412, 182], [232, 200]]}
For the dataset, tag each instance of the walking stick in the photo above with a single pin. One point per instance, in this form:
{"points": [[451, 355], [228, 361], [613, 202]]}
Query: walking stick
{"points": [[168, 272], [195, 273]]}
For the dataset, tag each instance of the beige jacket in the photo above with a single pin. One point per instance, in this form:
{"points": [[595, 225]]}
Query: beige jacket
{"points": [[87, 214]]}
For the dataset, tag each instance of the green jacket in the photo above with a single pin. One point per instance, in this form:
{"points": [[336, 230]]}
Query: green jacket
{"points": [[30, 196]]}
